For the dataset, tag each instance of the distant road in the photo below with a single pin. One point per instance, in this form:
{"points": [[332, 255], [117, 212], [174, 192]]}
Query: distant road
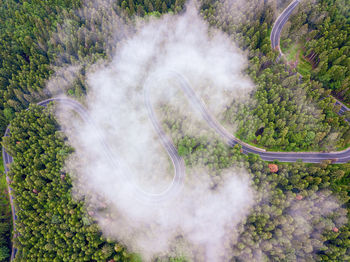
{"points": [[279, 24], [230, 139], [275, 37], [343, 108], [7, 160]]}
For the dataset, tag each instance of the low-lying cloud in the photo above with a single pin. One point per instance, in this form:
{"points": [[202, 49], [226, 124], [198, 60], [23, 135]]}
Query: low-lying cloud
{"points": [[200, 221]]}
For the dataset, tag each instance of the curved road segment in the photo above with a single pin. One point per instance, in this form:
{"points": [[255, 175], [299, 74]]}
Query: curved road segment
{"points": [[178, 162], [279, 24], [141, 195], [276, 36], [7, 159]]}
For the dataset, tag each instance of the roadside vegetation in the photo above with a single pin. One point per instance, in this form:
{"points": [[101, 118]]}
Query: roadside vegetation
{"points": [[285, 114], [272, 228], [5, 218], [25, 63], [322, 30], [304, 67], [295, 58], [51, 225], [292, 51]]}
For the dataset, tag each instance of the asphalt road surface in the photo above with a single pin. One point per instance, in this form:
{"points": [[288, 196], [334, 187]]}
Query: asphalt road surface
{"points": [[279, 24], [343, 109], [7, 160], [276, 35], [310, 157]]}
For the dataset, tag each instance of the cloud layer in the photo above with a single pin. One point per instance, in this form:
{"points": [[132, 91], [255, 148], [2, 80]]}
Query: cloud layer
{"points": [[201, 220]]}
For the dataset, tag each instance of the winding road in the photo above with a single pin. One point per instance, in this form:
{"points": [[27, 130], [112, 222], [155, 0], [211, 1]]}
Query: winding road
{"points": [[7, 160], [276, 36], [179, 165], [279, 24]]}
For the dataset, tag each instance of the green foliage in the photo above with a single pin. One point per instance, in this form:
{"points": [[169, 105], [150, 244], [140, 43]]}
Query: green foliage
{"points": [[51, 225], [150, 7], [4, 253], [24, 43], [282, 116], [135, 258], [5, 218], [323, 29], [272, 228], [304, 67], [9, 114]]}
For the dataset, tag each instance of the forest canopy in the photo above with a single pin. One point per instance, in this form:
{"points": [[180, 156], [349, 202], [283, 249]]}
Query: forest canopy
{"points": [[53, 226]]}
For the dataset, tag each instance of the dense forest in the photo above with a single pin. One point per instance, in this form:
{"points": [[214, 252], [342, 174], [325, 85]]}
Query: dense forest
{"points": [[147, 7], [280, 121], [5, 219], [280, 118], [51, 225], [25, 63], [319, 36], [272, 228], [285, 114]]}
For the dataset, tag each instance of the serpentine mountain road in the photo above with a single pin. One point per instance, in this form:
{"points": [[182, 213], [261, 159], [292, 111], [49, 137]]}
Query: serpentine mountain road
{"points": [[177, 182], [279, 24], [7, 159], [275, 37]]}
